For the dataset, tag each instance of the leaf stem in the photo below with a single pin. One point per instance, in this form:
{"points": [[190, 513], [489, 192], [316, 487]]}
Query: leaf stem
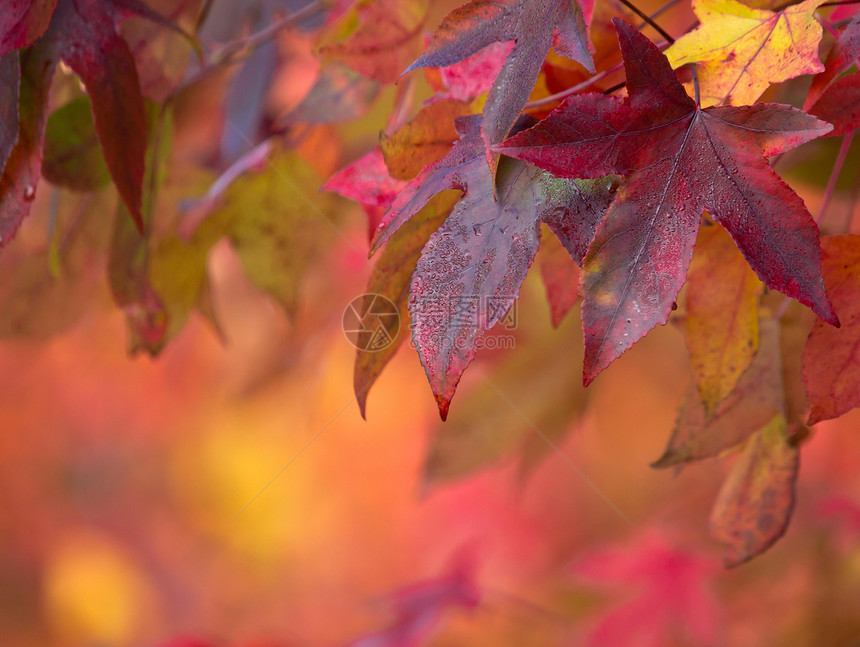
{"points": [[695, 84], [558, 96], [834, 175], [648, 19], [203, 15]]}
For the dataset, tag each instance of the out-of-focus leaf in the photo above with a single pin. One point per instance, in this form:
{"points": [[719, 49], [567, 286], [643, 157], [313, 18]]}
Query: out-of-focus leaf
{"points": [[377, 38], [722, 315], [10, 84], [534, 26], [560, 276], [245, 102], [162, 55], [85, 35], [795, 325], [841, 57], [755, 503], [129, 260], [23, 21], [177, 274], [675, 603], [756, 399], [48, 290], [529, 398], [275, 220], [831, 358], [24, 165], [73, 157], [679, 160], [338, 95], [128, 274], [420, 607], [840, 105], [740, 51], [368, 182], [391, 278], [424, 140]]}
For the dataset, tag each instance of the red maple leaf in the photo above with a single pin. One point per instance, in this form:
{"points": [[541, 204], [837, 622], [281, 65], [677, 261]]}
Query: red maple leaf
{"points": [[84, 35], [679, 160], [470, 271], [23, 21], [534, 25]]}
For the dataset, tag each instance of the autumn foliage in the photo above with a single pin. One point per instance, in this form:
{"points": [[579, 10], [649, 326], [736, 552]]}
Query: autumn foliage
{"points": [[655, 170]]}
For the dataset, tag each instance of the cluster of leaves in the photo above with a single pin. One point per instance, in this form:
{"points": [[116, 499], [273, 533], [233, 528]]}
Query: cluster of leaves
{"points": [[629, 187]]}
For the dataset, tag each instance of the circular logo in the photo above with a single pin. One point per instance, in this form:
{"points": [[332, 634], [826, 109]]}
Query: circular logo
{"points": [[371, 322]]}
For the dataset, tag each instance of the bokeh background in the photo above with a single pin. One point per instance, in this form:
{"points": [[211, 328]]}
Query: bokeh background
{"points": [[228, 493]]}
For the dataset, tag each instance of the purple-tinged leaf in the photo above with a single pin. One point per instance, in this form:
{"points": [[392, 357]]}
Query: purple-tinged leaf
{"points": [[680, 160], [534, 26], [840, 105], [845, 51], [23, 21]]}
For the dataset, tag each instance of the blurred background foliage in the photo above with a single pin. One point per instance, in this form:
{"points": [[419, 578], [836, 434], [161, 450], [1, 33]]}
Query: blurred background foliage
{"points": [[228, 493]]}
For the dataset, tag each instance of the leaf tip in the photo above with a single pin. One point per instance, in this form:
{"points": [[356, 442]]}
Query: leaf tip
{"points": [[444, 404]]}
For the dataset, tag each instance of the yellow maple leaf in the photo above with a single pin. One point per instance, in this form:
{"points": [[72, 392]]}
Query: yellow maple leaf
{"points": [[741, 51]]}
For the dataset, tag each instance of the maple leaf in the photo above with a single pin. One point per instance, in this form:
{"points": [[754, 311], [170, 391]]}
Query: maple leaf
{"points": [[376, 37], [755, 503], [424, 140], [471, 269], [721, 328], [840, 105], [23, 21], [680, 160], [83, 34], [391, 278], [841, 57], [272, 225], [743, 50], [534, 25], [831, 359], [756, 399]]}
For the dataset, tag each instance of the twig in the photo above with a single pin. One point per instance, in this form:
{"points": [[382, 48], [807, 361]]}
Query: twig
{"points": [[834, 175], [226, 54], [648, 19], [203, 15], [695, 83], [558, 96]]}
